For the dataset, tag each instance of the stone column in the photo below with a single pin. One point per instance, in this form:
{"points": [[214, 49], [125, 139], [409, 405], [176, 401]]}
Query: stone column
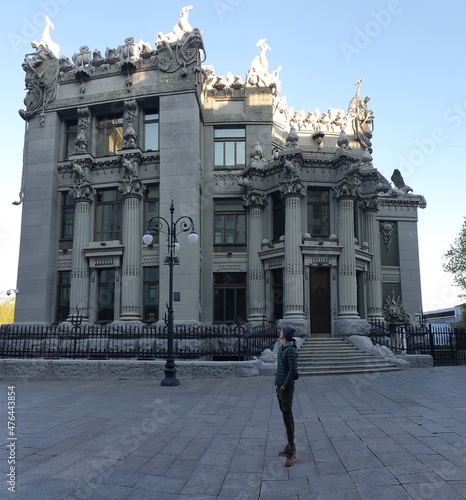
{"points": [[132, 188], [293, 287], [374, 276], [255, 204], [347, 285], [83, 193]]}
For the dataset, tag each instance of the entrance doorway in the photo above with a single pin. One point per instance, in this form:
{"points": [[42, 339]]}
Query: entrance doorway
{"points": [[320, 299]]}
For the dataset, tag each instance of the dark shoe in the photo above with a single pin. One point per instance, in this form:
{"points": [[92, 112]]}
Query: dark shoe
{"points": [[290, 458], [284, 452]]}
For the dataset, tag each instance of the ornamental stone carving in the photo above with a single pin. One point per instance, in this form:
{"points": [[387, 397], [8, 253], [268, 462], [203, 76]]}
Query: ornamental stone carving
{"points": [[83, 124], [394, 312], [42, 70], [362, 118], [252, 197], [131, 184], [291, 185], [130, 135], [82, 189]]}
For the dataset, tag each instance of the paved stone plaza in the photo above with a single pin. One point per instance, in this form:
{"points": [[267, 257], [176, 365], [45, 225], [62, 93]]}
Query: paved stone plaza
{"points": [[397, 435]]}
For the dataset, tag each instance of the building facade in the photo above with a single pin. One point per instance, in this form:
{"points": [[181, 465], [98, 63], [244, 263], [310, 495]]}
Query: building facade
{"points": [[295, 223]]}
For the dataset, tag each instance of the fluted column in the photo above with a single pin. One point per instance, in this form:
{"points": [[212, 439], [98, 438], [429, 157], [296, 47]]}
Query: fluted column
{"points": [[374, 276], [293, 290], [131, 269], [256, 290], [347, 284], [132, 189], [83, 194]]}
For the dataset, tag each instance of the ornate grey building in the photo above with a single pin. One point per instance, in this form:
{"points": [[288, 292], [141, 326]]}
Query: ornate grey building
{"points": [[295, 221]]}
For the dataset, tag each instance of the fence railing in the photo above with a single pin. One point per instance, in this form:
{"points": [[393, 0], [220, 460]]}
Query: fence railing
{"points": [[446, 345], [211, 342]]}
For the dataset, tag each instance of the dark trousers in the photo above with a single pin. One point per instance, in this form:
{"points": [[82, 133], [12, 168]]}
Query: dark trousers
{"points": [[285, 400]]}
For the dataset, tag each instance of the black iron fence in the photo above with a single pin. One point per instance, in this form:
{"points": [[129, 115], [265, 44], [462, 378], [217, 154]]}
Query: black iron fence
{"points": [[446, 345], [213, 342]]}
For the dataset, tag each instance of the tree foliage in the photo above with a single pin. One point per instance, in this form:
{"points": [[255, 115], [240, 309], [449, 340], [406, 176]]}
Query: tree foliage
{"points": [[7, 310], [456, 260]]}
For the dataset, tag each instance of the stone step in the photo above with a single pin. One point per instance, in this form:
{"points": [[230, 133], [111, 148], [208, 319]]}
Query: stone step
{"points": [[331, 356]]}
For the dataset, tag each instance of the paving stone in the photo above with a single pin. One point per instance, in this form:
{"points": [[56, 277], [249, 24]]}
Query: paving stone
{"points": [[395, 435]]}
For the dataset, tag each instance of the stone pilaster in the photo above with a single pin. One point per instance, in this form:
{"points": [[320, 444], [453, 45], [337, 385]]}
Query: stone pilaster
{"points": [[374, 276]]}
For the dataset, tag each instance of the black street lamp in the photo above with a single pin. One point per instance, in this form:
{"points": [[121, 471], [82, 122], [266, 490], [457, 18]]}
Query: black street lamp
{"points": [[171, 230]]}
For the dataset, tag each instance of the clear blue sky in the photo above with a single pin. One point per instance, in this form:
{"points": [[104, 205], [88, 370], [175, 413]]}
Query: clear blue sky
{"points": [[410, 54]]}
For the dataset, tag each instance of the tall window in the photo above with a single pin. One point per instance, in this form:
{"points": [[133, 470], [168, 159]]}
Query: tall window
{"points": [[63, 295], [108, 215], [151, 131], [151, 294], [109, 135], [67, 217], [278, 216], [229, 224], [230, 297], [71, 134], [230, 147], [106, 295], [151, 207], [318, 212], [277, 293]]}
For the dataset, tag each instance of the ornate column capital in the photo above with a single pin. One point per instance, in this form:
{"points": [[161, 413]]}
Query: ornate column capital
{"points": [[291, 185], [82, 189], [131, 184], [348, 188]]}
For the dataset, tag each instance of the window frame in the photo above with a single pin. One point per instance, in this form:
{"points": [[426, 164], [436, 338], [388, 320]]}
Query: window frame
{"points": [[219, 211], [325, 225], [148, 122], [226, 145], [109, 126], [100, 222], [236, 288]]}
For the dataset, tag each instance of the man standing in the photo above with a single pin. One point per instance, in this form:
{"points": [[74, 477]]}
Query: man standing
{"points": [[287, 368]]}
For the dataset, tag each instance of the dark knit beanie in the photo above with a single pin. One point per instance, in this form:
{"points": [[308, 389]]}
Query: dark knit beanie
{"points": [[288, 332]]}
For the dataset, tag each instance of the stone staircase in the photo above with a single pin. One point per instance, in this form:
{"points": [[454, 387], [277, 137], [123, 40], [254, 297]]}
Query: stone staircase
{"points": [[331, 356]]}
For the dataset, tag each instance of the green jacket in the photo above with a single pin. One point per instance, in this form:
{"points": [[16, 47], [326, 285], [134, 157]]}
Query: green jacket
{"points": [[287, 364]]}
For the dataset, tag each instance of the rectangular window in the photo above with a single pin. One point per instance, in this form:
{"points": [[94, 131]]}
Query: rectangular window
{"points": [[67, 217], [230, 147], [318, 212], [63, 295], [106, 295], [108, 215], [151, 131], [230, 297], [109, 135], [229, 224], [71, 135], [150, 294], [151, 208], [278, 216]]}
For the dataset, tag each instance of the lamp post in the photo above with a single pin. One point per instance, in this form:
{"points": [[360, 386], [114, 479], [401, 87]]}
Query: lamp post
{"points": [[171, 229]]}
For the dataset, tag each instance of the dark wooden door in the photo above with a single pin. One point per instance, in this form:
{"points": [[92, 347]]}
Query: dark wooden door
{"points": [[320, 300]]}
